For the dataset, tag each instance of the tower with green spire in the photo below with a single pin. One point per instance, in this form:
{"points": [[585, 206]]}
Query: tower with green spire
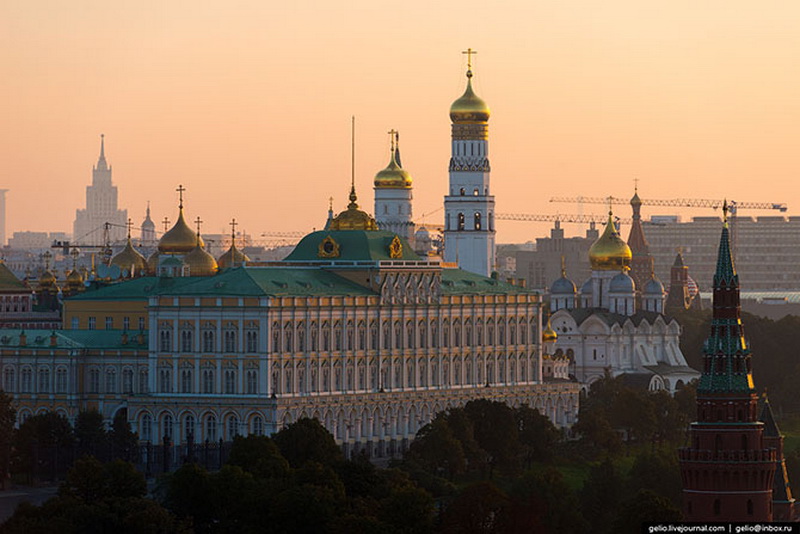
{"points": [[728, 469]]}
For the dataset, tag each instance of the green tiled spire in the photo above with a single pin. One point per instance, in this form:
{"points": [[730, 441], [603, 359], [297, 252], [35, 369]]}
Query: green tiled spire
{"points": [[726, 356]]}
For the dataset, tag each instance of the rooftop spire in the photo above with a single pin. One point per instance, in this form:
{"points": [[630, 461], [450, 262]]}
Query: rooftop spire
{"points": [[353, 197], [101, 161]]}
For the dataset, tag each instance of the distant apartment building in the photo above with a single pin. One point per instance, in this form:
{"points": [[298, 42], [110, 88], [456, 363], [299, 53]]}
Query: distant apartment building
{"points": [[543, 265], [35, 241], [766, 249]]}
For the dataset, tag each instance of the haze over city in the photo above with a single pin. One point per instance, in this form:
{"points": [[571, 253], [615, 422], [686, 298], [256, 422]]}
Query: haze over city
{"points": [[248, 105]]}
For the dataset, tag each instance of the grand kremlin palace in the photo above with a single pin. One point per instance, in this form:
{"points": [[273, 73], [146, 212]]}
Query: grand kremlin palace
{"points": [[352, 328]]}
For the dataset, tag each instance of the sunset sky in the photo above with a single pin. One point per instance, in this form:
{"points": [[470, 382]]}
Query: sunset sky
{"points": [[248, 104]]}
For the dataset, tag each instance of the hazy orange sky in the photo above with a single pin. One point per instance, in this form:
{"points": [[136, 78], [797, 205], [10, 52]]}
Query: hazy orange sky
{"points": [[248, 104]]}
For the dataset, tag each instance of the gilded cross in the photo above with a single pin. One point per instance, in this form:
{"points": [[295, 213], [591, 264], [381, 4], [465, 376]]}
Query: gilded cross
{"points": [[198, 222], [166, 224], [180, 191], [393, 138], [233, 224], [469, 52], [635, 185]]}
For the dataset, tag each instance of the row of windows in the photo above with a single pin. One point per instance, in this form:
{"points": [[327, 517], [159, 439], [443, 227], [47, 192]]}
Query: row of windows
{"points": [[424, 372], [15, 304], [208, 340], [44, 383], [396, 336], [207, 381], [207, 430], [109, 323]]}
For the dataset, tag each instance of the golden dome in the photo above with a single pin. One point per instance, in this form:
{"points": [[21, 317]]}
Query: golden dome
{"points": [[75, 277], [232, 257], [200, 262], [130, 260], [393, 177], [180, 239], [152, 263], [353, 218], [549, 335], [47, 279], [469, 108], [610, 252]]}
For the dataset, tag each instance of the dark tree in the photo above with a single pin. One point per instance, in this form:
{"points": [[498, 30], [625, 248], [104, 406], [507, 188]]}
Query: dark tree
{"points": [[8, 417], [601, 496], [537, 435], [123, 440], [307, 440], [645, 507], [90, 431], [38, 438], [436, 448], [495, 430], [542, 502], [480, 508], [258, 455]]}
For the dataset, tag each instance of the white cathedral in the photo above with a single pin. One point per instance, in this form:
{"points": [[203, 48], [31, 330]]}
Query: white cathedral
{"points": [[600, 329]]}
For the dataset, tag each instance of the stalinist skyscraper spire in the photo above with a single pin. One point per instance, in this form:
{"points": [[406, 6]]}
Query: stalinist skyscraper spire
{"points": [[101, 206], [469, 206]]}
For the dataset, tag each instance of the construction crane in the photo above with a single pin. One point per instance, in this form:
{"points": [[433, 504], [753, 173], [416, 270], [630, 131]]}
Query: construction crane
{"points": [[677, 203], [733, 206], [581, 219]]}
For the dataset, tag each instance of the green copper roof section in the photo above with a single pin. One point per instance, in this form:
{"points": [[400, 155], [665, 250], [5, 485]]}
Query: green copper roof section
{"points": [[354, 245], [9, 282], [270, 281], [136, 288], [460, 282]]}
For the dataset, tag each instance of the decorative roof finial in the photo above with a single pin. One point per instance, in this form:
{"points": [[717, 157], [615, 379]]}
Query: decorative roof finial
{"points": [[353, 197], [102, 146], [165, 222], [180, 191], [233, 224], [148, 209], [198, 222], [129, 224], [563, 267], [469, 52], [725, 212]]}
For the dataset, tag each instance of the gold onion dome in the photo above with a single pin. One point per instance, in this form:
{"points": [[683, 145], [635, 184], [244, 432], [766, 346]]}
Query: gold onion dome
{"points": [[47, 279], [180, 239], [152, 263], [130, 259], [610, 252], [75, 277], [549, 335], [393, 176], [469, 108], [232, 257], [353, 218], [200, 262]]}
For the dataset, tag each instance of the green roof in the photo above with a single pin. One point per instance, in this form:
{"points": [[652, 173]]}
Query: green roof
{"points": [[459, 282], [354, 245], [9, 282], [71, 339], [271, 281], [135, 288]]}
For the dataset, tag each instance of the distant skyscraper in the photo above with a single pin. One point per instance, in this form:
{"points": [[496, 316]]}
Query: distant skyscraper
{"points": [[3, 217], [469, 233], [101, 207]]}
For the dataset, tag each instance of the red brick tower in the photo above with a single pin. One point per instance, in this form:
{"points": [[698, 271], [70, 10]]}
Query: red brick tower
{"points": [[642, 261], [782, 500], [727, 470]]}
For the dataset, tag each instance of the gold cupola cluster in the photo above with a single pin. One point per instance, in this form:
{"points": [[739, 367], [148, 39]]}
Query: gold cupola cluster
{"points": [[184, 244], [393, 176], [130, 262], [233, 257], [353, 218], [610, 252]]}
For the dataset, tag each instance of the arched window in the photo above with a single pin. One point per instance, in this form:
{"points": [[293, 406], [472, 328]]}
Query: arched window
{"points": [[94, 380], [61, 380], [186, 340], [230, 381], [230, 340], [165, 380], [477, 220], [462, 192], [208, 380], [258, 425], [326, 337], [252, 340], [44, 380], [460, 221], [165, 340], [233, 427], [186, 380], [9, 379], [166, 423], [146, 427], [211, 428], [288, 337], [189, 427], [252, 381], [127, 381], [208, 340]]}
